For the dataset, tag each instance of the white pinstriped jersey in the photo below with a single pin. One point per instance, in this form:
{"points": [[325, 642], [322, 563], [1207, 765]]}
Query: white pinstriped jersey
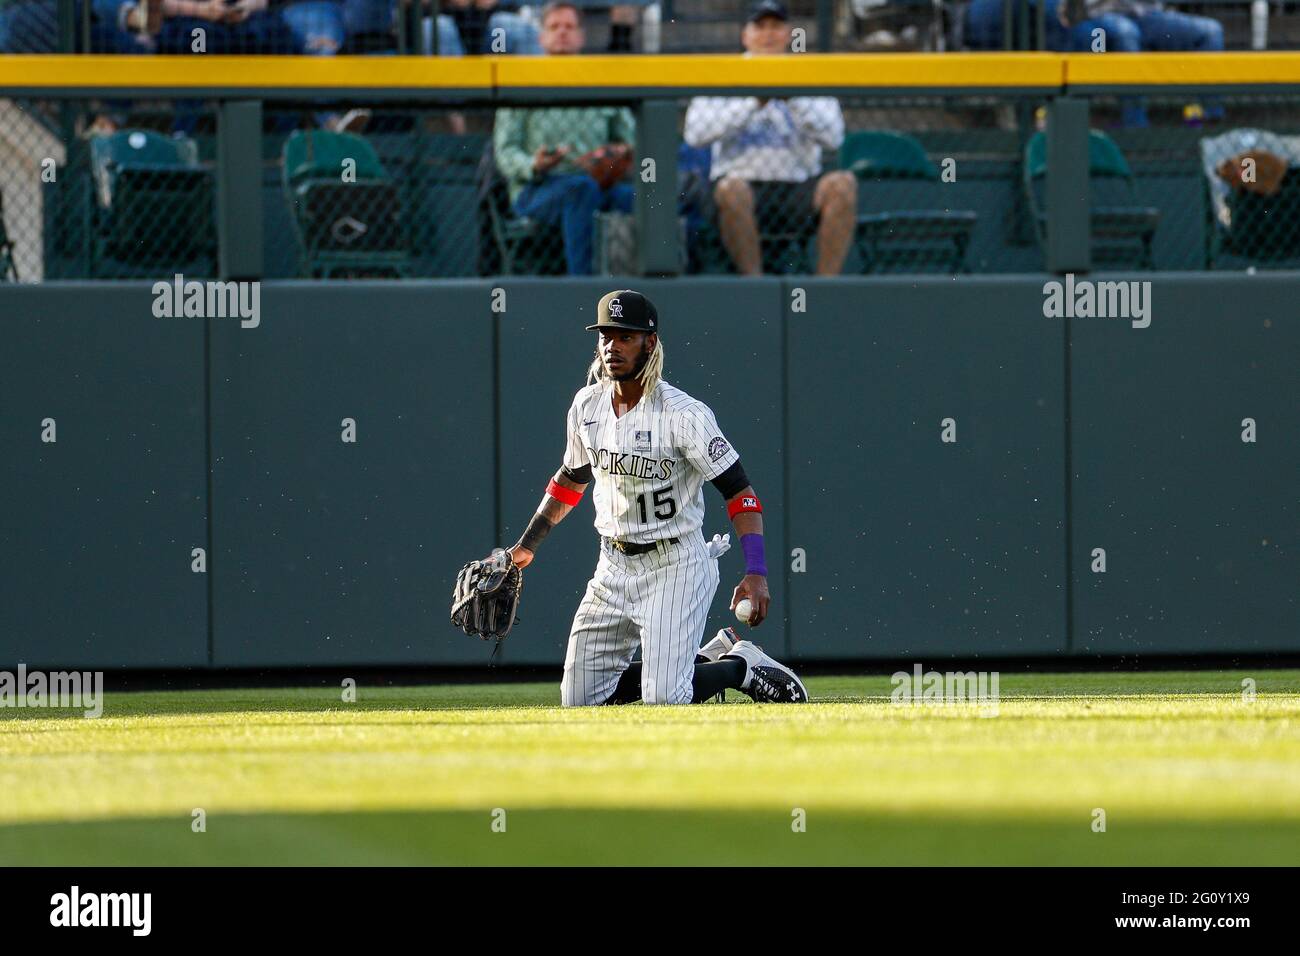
{"points": [[649, 465]]}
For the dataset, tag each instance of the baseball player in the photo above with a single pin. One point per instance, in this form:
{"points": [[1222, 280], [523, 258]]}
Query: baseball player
{"points": [[649, 447]]}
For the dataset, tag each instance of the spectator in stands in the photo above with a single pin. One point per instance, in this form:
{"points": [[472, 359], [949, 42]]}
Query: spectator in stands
{"points": [[539, 151], [308, 27], [767, 159], [482, 26], [1129, 26], [245, 26], [32, 26]]}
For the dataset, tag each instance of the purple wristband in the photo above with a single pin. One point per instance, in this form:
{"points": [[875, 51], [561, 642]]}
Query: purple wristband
{"points": [[752, 545]]}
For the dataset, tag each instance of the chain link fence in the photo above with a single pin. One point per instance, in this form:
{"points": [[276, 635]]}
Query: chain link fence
{"points": [[106, 190], [1220, 174], [858, 185]]}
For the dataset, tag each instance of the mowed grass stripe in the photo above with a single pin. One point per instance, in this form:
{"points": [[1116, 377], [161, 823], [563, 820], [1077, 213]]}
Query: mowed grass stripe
{"points": [[1158, 760]]}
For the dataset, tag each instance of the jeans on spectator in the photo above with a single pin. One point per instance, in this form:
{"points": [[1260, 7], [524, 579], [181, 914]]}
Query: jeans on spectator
{"points": [[32, 26], [520, 35], [317, 26], [1162, 30], [573, 200], [1159, 30], [263, 32], [368, 17]]}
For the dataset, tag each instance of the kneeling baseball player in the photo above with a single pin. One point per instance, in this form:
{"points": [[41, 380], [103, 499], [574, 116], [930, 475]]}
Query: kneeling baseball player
{"points": [[649, 447]]}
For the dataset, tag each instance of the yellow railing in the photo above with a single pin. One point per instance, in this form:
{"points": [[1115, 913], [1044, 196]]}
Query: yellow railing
{"points": [[883, 71]]}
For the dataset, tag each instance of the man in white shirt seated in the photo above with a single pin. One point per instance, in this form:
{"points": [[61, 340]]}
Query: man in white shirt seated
{"points": [[766, 167]]}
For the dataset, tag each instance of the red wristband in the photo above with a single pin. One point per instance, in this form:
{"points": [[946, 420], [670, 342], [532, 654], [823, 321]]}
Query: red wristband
{"points": [[744, 503], [565, 496]]}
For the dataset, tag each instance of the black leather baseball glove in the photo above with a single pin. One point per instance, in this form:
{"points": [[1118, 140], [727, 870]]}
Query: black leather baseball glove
{"points": [[486, 599]]}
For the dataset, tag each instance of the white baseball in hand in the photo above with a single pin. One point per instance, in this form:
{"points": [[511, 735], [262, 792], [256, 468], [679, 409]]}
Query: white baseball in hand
{"points": [[744, 610]]}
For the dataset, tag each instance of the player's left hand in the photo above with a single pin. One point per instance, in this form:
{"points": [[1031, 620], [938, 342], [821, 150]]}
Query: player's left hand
{"points": [[754, 587]]}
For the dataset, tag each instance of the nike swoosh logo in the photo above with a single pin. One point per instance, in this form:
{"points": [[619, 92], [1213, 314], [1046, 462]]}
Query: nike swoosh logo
{"points": [[592, 422]]}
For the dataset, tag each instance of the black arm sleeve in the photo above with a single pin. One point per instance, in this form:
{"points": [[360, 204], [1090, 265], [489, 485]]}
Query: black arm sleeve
{"points": [[580, 476], [538, 528], [732, 481]]}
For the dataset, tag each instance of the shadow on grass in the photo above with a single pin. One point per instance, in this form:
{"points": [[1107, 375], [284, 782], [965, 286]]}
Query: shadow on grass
{"points": [[642, 837]]}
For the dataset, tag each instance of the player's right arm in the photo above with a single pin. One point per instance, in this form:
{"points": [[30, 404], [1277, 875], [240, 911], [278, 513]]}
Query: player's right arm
{"points": [[563, 492]]}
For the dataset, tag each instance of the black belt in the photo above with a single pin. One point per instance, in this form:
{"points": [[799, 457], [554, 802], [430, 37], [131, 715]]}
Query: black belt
{"points": [[631, 550]]}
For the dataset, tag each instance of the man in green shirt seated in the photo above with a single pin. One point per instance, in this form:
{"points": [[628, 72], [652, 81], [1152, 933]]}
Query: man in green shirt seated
{"points": [[543, 152]]}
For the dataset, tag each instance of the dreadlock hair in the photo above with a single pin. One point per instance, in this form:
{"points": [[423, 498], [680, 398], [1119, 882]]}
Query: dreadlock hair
{"points": [[651, 372]]}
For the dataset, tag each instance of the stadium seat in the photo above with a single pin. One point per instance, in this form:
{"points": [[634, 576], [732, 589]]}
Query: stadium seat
{"points": [[511, 244], [911, 234], [785, 251], [347, 226], [153, 205], [1122, 229]]}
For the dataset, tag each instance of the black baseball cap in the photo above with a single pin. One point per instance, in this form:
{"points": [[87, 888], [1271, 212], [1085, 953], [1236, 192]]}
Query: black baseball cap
{"points": [[768, 8], [625, 309]]}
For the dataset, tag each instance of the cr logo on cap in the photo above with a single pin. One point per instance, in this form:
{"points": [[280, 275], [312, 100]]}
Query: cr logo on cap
{"points": [[615, 309]]}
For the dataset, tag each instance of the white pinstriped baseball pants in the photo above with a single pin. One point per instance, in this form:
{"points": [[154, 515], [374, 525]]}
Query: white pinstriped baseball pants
{"points": [[660, 599]]}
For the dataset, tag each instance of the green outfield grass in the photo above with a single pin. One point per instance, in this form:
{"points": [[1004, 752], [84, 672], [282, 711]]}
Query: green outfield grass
{"points": [[1186, 770]]}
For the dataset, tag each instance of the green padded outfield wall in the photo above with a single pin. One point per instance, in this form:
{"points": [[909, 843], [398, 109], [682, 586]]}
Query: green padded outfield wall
{"points": [[325, 552], [344, 552], [1201, 530], [915, 545], [97, 527]]}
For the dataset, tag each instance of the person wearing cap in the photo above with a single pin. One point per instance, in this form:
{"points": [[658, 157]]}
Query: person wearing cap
{"points": [[647, 448], [766, 168], [538, 151]]}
